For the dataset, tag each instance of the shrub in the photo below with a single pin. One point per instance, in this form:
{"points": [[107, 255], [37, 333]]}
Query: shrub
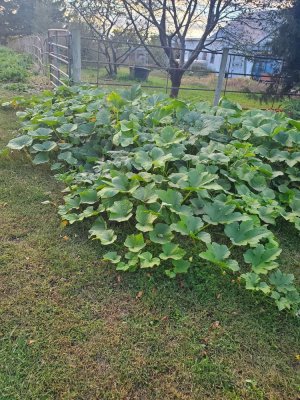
{"points": [[200, 68], [13, 66], [292, 108]]}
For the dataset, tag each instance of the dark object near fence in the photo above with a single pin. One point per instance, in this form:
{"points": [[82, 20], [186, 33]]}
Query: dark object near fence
{"points": [[140, 73]]}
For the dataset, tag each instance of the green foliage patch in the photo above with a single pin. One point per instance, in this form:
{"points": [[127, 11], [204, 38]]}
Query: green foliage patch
{"points": [[13, 67], [292, 107], [174, 175]]}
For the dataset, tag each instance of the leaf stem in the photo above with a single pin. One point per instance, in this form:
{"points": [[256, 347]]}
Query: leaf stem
{"points": [[186, 197], [204, 227]]}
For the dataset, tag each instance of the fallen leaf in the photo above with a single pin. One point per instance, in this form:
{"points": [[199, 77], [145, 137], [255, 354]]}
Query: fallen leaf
{"points": [[215, 325], [139, 295], [66, 238]]}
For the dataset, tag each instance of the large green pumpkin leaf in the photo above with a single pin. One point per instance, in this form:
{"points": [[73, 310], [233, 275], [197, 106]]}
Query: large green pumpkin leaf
{"points": [[99, 231], [221, 213], [50, 121], [103, 117], [88, 196], [262, 258], [20, 142], [142, 160], [202, 181], [67, 128], [219, 254], [282, 282], [168, 136], [288, 300], [246, 233], [170, 198], [41, 158], [253, 282], [67, 157], [146, 194], [159, 158], [88, 213], [44, 146], [145, 219], [188, 225], [147, 260], [112, 256], [135, 243], [172, 251], [41, 133], [181, 266], [120, 211], [161, 234]]}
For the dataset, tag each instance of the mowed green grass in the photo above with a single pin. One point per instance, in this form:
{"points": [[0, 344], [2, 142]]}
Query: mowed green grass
{"points": [[73, 328], [199, 89]]}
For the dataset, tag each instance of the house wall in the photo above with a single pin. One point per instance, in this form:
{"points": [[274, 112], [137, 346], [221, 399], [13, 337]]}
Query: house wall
{"points": [[237, 66], [209, 60]]}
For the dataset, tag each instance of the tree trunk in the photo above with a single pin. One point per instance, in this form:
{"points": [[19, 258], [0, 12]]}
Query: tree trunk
{"points": [[176, 77], [115, 64], [111, 66]]}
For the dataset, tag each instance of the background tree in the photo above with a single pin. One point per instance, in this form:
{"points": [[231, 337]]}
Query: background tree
{"points": [[286, 44], [48, 14], [108, 22], [175, 20], [15, 18], [24, 17]]}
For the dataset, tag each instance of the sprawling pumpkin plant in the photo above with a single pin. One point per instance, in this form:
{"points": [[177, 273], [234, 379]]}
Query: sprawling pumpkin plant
{"points": [[173, 174]]}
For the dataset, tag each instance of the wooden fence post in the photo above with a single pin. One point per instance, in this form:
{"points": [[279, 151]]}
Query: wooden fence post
{"points": [[75, 54], [221, 76]]}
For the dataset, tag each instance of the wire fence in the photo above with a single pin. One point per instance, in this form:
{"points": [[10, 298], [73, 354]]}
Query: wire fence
{"points": [[244, 73], [36, 46], [74, 57], [50, 53]]}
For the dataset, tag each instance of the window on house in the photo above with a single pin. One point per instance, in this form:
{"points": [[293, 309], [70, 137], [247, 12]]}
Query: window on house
{"points": [[212, 58], [204, 56]]}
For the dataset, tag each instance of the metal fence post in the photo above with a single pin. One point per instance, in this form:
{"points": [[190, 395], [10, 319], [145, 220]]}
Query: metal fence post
{"points": [[221, 76], [76, 54]]}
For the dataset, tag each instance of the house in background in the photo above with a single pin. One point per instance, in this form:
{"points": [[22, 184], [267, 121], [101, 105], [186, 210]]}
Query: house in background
{"points": [[251, 37]]}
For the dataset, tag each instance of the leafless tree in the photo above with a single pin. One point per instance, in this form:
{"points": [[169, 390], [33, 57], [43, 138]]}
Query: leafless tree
{"points": [[176, 20], [107, 20]]}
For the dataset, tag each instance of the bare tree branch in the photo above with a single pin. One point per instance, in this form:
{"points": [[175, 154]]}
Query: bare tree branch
{"points": [[174, 20]]}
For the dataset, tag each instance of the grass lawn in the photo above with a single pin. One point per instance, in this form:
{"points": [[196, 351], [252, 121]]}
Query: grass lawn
{"points": [[73, 328], [206, 85]]}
